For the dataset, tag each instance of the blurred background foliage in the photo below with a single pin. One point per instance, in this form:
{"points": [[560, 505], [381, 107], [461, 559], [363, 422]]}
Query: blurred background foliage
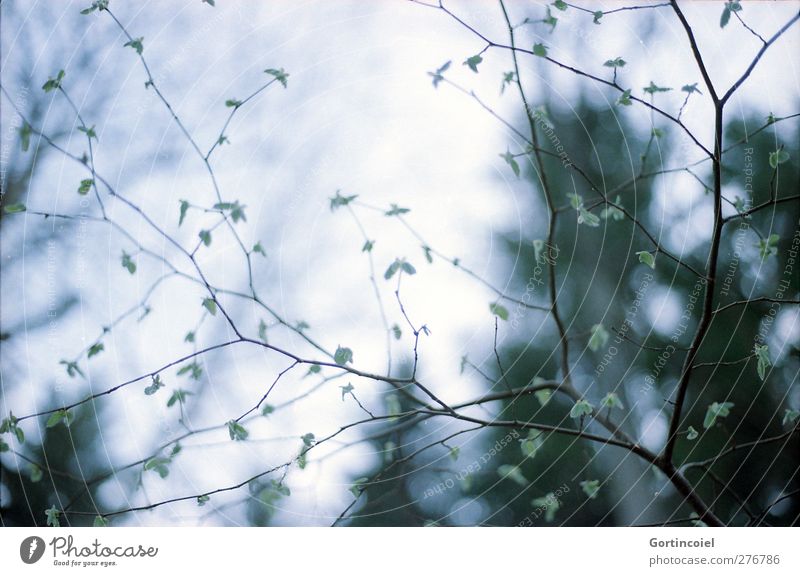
{"points": [[598, 276], [602, 284]]}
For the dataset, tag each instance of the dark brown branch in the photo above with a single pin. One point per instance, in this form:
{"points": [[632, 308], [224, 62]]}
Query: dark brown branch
{"points": [[758, 56], [752, 300], [696, 52]]}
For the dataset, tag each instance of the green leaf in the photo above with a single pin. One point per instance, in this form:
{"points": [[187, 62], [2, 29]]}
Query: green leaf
{"points": [[259, 249], [343, 355], [768, 247], [438, 75], [392, 269], [625, 98], [236, 431], [280, 75], [540, 50], [407, 268], [99, 522], [346, 390], [596, 16], [136, 44], [210, 305], [690, 88], [560, 5], [178, 396], [716, 410], [512, 473], [499, 310], [550, 504], [397, 332], [3, 446], [508, 78], [55, 418], [617, 62], [205, 237], [580, 409], [646, 258], [184, 209], [367, 247], [598, 338], [159, 465], [358, 486], [201, 500], [272, 493], [531, 445], [550, 20], [267, 410], [10, 425], [53, 515], [95, 349], [652, 88], [233, 103], [395, 210], [72, 368], [586, 217], [590, 488], [308, 439], [543, 396], [762, 354], [509, 158], [154, 386], [262, 330], [85, 186], [725, 17], [612, 211], [691, 433], [194, 370], [14, 208], [611, 400], [338, 200], [473, 62], [53, 83], [59, 416], [25, 132], [236, 210], [128, 263], [454, 452], [96, 5], [778, 157], [790, 417], [90, 133]]}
